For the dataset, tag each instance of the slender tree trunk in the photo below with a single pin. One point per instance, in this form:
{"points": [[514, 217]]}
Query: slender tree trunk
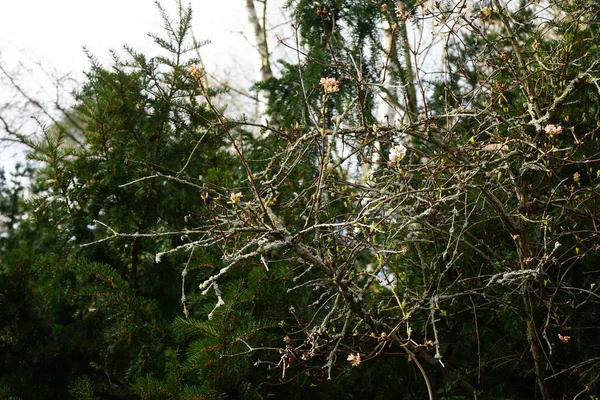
{"points": [[387, 98], [519, 234], [387, 94], [259, 37], [409, 75], [535, 347], [524, 249]]}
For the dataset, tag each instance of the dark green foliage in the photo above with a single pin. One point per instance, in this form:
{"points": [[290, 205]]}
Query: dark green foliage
{"points": [[83, 389], [97, 318], [339, 39]]}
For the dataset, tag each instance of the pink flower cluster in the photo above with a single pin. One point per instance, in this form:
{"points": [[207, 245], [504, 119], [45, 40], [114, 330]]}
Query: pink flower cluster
{"points": [[553, 130], [565, 339], [330, 85], [234, 198], [196, 71]]}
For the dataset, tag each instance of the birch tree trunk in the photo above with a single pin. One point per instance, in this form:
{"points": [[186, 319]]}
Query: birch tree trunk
{"points": [[258, 32], [409, 83], [388, 93], [387, 100]]}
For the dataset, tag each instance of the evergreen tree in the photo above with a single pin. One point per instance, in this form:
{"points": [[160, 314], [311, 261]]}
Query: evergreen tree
{"points": [[87, 312], [449, 253]]}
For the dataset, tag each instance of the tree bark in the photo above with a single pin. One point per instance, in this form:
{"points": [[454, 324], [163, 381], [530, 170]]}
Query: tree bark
{"points": [[535, 347], [388, 93], [409, 81], [259, 36]]}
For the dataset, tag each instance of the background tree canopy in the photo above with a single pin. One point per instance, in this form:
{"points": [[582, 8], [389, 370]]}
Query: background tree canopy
{"points": [[417, 219]]}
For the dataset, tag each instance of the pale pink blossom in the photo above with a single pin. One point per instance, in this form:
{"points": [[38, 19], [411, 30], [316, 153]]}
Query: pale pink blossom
{"points": [[330, 85], [354, 359], [234, 198], [553, 130], [196, 71], [565, 339], [397, 153]]}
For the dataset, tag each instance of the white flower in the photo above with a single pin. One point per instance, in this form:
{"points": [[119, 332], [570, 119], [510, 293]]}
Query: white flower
{"points": [[397, 153], [354, 359]]}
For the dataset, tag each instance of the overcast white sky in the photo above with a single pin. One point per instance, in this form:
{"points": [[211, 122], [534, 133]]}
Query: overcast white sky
{"points": [[54, 33], [56, 30]]}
